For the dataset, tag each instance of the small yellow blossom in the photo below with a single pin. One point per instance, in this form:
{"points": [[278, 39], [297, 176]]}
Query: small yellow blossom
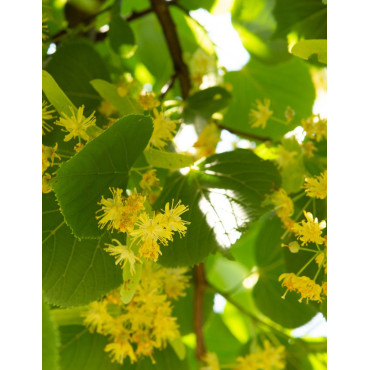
{"points": [[47, 114], [272, 358], [122, 254], [211, 362], [303, 285], [96, 316], [46, 187], [315, 127], [171, 219], [76, 124], [201, 64], [148, 100], [151, 229], [145, 345], [248, 362], [163, 131], [310, 230], [325, 288], [176, 282], [316, 187], [107, 109], [309, 149], [208, 140], [112, 209], [48, 156], [283, 204], [149, 180], [150, 249], [165, 326], [260, 115], [120, 349], [286, 157]]}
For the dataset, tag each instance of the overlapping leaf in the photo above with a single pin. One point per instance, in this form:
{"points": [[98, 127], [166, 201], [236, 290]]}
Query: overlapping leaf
{"points": [[75, 272], [223, 195], [104, 162]]}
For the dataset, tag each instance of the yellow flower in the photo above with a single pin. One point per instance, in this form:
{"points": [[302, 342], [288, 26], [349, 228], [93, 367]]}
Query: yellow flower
{"points": [[171, 219], [211, 362], [175, 282], [112, 209], [49, 153], [150, 249], [283, 204], [303, 285], [310, 230], [151, 229], [122, 254], [260, 115], [208, 140], [76, 124], [148, 100], [145, 345], [163, 131], [165, 326], [200, 65], [96, 316], [316, 187], [315, 127], [47, 114], [248, 362], [272, 358], [106, 108], [46, 187], [149, 180], [325, 288], [120, 349], [309, 149], [285, 157], [78, 147]]}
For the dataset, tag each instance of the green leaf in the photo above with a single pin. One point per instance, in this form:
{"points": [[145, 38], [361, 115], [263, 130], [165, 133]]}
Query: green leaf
{"points": [[73, 66], [50, 340], [168, 160], [179, 347], [305, 49], [223, 195], [74, 272], [208, 101], [121, 37], [130, 282], [268, 291], [108, 91], [220, 340], [255, 24], [81, 350], [285, 84], [104, 162], [307, 18], [56, 95]]}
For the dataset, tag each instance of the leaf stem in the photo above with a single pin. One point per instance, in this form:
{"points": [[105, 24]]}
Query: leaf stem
{"points": [[304, 267]]}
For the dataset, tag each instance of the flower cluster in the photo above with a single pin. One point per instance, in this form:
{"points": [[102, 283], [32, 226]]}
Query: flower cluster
{"points": [[283, 205], [148, 100], [48, 156], [303, 285], [201, 65], [309, 230], [261, 114], [146, 323], [315, 127], [145, 232]]}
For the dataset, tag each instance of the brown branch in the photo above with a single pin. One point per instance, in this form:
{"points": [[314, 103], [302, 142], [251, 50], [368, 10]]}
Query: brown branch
{"points": [[160, 8], [200, 286], [168, 86], [243, 134]]}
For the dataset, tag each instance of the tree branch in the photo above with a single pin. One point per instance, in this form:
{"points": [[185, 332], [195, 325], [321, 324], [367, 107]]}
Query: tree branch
{"points": [[160, 8], [200, 286], [243, 134]]}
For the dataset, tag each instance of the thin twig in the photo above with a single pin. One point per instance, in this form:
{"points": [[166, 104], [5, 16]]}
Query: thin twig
{"points": [[168, 86], [160, 8], [243, 134], [200, 286]]}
